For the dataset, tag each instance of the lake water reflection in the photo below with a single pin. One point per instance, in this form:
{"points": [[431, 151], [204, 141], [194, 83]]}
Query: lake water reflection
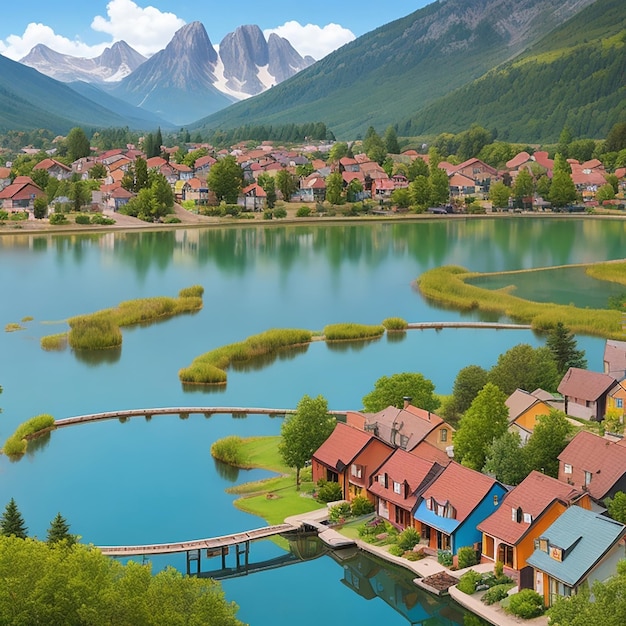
{"points": [[154, 481]]}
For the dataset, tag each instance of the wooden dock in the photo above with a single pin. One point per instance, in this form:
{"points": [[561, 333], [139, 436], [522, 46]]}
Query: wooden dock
{"points": [[212, 544]]}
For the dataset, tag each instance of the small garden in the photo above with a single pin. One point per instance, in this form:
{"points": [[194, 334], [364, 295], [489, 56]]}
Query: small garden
{"points": [[526, 603]]}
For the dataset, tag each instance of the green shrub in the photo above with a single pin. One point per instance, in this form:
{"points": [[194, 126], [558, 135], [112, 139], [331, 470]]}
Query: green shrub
{"points": [[526, 604], [395, 323], [347, 332], [303, 211], [444, 557], [82, 218], [17, 443], [171, 219], [329, 491], [58, 218], [232, 209], [498, 569], [373, 527], [306, 474], [102, 220], [361, 506], [339, 512], [4, 215], [408, 538], [268, 214], [466, 557], [396, 550], [229, 450], [195, 291], [469, 580], [414, 556], [495, 594], [280, 213]]}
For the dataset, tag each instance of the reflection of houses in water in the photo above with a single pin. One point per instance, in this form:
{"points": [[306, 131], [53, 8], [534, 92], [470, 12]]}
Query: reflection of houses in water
{"points": [[372, 578]]}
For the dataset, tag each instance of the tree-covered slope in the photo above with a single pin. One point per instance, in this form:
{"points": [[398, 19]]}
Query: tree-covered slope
{"points": [[574, 77], [30, 100], [398, 69]]}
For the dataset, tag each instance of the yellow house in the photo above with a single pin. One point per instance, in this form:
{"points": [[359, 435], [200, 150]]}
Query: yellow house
{"points": [[509, 534], [616, 400], [525, 408]]}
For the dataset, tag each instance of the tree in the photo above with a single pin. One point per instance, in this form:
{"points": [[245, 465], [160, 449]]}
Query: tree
{"points": [[562, 345], [392, 390], [391, 141], [525, 367], [417, 167], [401, 197], [551, 434], [338, 152], [467, 384], [374, 146], [334, 188], [485, 420], [225, 179], [40, 208], [79, 585], [523, 187], [543, 186], [499, 195], [141, 174], [605, 192], [267, 182], [505, 459], [303, 432], [562, 188], [286, 183], [440, 186], [80, 195], [97, 171], [617, 507], [77, 144], [353, 190], [421, 191], [60, 531], [12, 522]]}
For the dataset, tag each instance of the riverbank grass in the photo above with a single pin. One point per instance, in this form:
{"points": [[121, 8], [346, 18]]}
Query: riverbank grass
{"points": [[17, 443], [102, 330], [446, 286], [352, 332]]}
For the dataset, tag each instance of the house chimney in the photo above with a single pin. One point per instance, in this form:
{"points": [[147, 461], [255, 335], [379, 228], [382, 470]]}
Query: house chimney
{"points": [[407, 401]]}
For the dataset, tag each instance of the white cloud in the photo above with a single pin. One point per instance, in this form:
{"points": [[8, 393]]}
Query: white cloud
{"points": [[311, 39], [147, 30]]}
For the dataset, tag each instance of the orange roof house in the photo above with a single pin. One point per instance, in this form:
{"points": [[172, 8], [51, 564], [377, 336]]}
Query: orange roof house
{"points": [[56, 169], [349, 457], [509, 533], [615, 358], [404, 428], [594, 464], [20, 195], [398, 484]]}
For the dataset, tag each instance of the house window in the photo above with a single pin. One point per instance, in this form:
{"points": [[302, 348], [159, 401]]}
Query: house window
{"points": [[429, 504], [397, 487], [356, 470], [567, 468], [444, 434], [619, 403], [381, 479], [528, 518], [587, 478]]}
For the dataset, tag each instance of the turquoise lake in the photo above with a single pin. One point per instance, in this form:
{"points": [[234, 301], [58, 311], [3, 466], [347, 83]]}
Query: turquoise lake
{"points": [[155, 481]]}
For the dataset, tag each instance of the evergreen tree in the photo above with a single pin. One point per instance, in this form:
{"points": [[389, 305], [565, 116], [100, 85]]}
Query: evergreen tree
{"points": [[141, 174], [77, 144], [12, 522], [158, 142], [440, 186], [60, 531], [391, 141], [562, 344]]}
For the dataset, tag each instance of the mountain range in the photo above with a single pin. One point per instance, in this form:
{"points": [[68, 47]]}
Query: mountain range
{"points": [[523, 68], [187, 80]]}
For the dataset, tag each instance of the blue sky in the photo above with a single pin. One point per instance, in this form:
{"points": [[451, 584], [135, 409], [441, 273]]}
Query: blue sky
{"points": [[85, 28]]}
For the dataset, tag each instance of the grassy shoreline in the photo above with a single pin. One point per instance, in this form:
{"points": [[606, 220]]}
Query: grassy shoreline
{"points": [[447, 286]]}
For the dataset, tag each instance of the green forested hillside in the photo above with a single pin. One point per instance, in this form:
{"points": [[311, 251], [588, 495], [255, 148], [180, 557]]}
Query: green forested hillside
{"points": [[386, 75]]}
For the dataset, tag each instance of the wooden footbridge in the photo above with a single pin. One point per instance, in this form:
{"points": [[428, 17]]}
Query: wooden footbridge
{"points": [[207, 411], [214, 546]]}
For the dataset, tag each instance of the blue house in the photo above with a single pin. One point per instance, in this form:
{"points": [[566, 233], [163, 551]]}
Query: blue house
{"points": [[578, 548], [453, 506]]}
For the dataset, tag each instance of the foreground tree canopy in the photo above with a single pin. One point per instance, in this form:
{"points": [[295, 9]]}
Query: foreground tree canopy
{"points": [[60, 584], [391, 391]]}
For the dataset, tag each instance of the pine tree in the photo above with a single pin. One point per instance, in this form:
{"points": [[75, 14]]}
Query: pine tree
{"points": [[12, 522], [60, 531], [562, 344]]}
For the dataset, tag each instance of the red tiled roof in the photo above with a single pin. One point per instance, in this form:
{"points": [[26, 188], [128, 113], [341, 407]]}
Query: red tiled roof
{"points": [[46, 164], [585, 384], [402, 466], [533, 496], [428, 452], [342, 446], [517, 160], [462, 487], [460, 180], [603, 459], [156, 162]]}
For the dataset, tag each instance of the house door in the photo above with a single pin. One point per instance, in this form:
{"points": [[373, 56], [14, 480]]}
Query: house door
{"points": [[383, 508], [526, 577]]}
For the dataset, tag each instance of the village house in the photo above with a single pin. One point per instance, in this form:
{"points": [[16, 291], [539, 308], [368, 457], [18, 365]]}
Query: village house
{"points": [[20, 195], [406, 427], [253, 198], [398, 484], [525, 408], [509, 534], [594, 464], [585, 393], [55, 169], [578, 548], [349, 457], [202, 166], [313, 188], [614, 359], [5, 177], [452, 507]]}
